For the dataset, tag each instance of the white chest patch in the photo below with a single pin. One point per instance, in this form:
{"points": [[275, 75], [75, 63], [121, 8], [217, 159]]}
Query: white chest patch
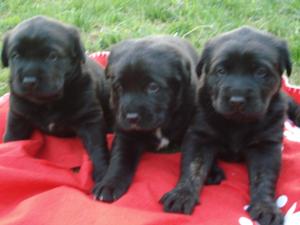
{"points": [[51, 127], [164, 142]]}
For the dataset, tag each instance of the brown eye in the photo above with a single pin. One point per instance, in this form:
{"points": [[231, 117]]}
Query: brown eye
{"points": [[152, 88], [15, 55], [261, 72], [109, 75], [52, 56], [118, 87], [221, 71]]}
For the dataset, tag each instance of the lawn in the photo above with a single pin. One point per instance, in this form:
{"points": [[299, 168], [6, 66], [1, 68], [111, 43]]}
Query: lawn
{"points": [[104, 22]]}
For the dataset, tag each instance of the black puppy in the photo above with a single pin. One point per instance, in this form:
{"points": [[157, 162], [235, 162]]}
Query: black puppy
{"points": [[55, 87], [240, 116], [153, 98]]}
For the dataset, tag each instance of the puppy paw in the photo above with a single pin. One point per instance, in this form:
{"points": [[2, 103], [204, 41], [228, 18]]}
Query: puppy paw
{"points": [[109, 191], [266, 213], [215, 176], [180, 200]]}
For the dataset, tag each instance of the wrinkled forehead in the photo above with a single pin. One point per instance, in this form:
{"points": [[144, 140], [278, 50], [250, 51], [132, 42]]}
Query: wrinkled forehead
{"points": [[248, 52], [136, 72], [37, 37]]}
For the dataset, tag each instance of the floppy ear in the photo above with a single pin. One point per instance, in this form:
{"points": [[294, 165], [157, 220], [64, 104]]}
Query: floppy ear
{"points": [[183, 81], [4, 54], [78, 50], [107, 71], [186, 69], [200, 66], [285, 63], [117, 51], [204, 59]]}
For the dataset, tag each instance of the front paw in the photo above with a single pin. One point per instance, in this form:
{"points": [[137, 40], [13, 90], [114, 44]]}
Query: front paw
{"points": [[110, 191], [180, 200], [266, 213]]}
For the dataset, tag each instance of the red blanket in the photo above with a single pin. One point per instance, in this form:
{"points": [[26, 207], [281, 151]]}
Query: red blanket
{"points": [[40, 184]]}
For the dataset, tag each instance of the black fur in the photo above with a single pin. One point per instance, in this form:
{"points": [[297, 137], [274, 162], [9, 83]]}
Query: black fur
{"points": [[153, 97], [240, 116], [55, 87], [293, 110]]}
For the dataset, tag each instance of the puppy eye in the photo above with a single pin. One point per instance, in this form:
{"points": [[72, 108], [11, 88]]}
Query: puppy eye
{"points": [[110, 75], [152, 88], [118, 87], [15, 55], [221, 71], [261, 72], [52, 56]]}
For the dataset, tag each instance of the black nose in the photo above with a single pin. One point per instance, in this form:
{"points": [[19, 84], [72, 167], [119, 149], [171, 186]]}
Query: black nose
{"points": [[237, 102], [133, 118], [29, 82]]}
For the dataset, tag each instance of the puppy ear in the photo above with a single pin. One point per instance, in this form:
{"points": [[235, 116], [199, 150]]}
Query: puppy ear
{"points": [[285, 63], [78, 50], [4, 53], [187, 71], [202, 64], [183, 80], [117, 51], [107, 71]]}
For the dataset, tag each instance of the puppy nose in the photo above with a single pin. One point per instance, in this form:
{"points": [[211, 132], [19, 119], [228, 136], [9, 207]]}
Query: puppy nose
{"points": [[237, 102], [29, 81], [133, 118]]}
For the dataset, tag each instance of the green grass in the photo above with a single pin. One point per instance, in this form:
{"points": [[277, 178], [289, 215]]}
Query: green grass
{"points": [[105, 22]]}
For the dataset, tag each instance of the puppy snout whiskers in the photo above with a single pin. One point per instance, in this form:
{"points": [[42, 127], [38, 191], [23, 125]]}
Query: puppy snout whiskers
{"points": [[29, 82], [133, 118], [237, 102]]}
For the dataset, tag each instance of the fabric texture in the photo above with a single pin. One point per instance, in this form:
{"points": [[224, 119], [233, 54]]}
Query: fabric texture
{"points": [[47, 181]]}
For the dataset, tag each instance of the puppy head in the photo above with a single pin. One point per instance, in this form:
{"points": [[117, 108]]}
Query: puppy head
{"points": [[42, 55], [147, 81], [242, 71]]}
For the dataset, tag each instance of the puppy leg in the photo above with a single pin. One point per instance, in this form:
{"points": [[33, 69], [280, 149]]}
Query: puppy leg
{"points": [[94, 140], [216, 175], [17, 128], [197, 160], [125, 156], [263, 167], [293, 110]]}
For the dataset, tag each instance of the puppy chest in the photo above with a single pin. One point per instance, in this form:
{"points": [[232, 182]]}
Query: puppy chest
{"points": [[59, 129], [232, 147], [57, 126], [162, 141]]}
